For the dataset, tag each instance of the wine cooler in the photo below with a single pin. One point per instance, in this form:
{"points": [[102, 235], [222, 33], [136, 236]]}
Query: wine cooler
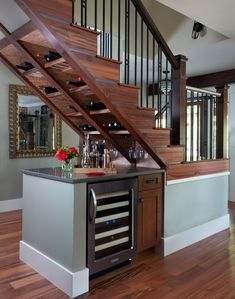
{"points": [[111, 223]]}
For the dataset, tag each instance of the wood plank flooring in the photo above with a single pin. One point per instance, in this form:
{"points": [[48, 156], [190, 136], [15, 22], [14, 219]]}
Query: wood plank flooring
{"points": [[205, 270]]}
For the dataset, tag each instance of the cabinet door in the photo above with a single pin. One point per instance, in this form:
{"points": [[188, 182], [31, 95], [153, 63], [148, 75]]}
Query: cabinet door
{"points": [[149, 219]]}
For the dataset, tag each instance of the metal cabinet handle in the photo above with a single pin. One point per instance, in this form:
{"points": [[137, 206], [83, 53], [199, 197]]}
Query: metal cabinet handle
{"points": [[151, 181], [141, 200], [93, 204]]}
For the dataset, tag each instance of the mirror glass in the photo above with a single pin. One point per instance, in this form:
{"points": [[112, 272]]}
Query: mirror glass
{"points": [[35, 130]]}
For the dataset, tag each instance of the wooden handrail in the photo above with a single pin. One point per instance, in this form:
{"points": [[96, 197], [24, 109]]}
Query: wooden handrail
{"points": [[155, 32], [206, 91]]}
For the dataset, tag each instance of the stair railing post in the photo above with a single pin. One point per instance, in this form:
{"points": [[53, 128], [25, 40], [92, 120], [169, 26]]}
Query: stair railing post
{"points": [[222, 122], [178, 112]]}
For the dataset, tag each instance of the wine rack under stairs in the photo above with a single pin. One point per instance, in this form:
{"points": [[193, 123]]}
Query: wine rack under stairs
{"points": [[51, 30]]}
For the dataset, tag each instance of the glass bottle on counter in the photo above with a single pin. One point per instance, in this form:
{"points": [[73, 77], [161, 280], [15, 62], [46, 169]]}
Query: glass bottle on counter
{"points": [[106, 159], [86, 153], [94, 156]]}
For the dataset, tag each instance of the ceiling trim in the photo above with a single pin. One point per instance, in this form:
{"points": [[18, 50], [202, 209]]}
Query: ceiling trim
{"points": [[213, 79]]}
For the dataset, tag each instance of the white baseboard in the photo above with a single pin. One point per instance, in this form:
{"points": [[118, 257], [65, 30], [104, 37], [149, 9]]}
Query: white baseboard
{"points": [[195, 234], [73, 284], [11, 205]]}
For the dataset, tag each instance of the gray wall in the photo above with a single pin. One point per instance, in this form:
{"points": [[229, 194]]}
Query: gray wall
{"points": [[232, 142], [10, 175], [194, 203]]}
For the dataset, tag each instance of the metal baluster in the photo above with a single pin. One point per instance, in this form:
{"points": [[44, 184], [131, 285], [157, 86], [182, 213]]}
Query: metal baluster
{"points": [[159, 84], [147, 69], [95, 7], [125, 53], [198, 127], [205, 126], [153, 79], [119, 30], [111, 29], [85, 8], [82, 23], [136, 43], [166, 96], [141, 71], [128, 41], [211, 126], [73, 11], [215, 126], [104, 37], [170, 98], [192, 127], [186, 121]]}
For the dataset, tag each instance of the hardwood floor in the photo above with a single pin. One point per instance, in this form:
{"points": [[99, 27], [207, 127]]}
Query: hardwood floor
{"points": [[205, 270]]}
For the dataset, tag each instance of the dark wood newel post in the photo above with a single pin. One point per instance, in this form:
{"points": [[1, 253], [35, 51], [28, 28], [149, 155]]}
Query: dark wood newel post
{"points": [[222, 123], [179, 102]]}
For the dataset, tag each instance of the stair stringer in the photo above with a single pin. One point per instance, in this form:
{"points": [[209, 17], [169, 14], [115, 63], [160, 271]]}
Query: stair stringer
{"points": [[56, 30]]}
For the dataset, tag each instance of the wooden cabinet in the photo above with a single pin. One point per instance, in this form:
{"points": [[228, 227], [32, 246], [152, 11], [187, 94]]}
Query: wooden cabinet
{"points": [[150, 210]]}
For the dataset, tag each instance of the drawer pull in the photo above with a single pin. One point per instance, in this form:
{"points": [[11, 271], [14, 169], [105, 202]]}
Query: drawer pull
{"points": [[151, 181], [141, 200]]}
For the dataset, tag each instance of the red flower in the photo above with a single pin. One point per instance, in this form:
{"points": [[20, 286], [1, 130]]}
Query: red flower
{"points": [[66, 153], [73, 149]]}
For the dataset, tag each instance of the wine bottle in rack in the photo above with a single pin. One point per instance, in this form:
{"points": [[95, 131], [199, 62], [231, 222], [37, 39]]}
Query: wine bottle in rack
{"points": [[76, 83], [49, 89], [25, 66], [96, 106], [51, 56]]}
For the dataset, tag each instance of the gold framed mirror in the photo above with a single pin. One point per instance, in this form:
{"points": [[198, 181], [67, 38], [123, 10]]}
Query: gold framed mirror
{"points": [[34, 129]]}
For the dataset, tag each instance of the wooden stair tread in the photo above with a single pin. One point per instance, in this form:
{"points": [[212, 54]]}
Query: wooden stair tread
{"points": [[121, 132], [53, 94], [33, 72], [147, 109], [108, 59], [128, 85], [95, 112], [85, 29], [54, 62]]}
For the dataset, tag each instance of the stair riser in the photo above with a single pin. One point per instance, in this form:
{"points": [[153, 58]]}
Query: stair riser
{"points": [[100, 69], [60, 9], [119, 96], [82, 41], [171, 155]]}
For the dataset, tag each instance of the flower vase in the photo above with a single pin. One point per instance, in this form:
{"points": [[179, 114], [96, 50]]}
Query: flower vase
{"points": [[66, 165]]}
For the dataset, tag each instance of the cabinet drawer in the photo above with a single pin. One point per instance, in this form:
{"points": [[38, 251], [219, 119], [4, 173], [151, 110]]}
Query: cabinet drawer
{"points": [[150, 182]]}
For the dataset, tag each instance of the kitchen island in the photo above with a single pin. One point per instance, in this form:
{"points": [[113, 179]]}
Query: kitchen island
{"points": [[60, 212]]}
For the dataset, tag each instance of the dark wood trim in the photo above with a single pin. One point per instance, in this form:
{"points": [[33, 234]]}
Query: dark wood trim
{"points": [[197, 168], [179, 102], [222, 123], [155, 32], [213, 79]]}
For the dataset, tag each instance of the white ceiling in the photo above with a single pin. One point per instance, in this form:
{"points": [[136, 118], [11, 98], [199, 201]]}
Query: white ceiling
{"points": [[205, 54], [216, 14]]}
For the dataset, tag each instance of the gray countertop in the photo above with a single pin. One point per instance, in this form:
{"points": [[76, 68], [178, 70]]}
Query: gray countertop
{"points": [[57, 174]]}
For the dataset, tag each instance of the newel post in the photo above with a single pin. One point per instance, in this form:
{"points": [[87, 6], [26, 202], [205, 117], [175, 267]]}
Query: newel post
{"points": [[179, 102], [222, 122]]}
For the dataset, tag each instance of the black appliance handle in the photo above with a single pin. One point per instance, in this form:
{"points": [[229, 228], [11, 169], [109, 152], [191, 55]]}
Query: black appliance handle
{"points": [[133, 213], [93, 204]]}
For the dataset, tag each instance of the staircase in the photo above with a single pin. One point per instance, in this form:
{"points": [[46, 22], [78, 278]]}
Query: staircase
{"points": [[51, 28]]}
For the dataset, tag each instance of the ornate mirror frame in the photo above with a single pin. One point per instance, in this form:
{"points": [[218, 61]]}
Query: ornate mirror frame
{"points": [[14, 151]]}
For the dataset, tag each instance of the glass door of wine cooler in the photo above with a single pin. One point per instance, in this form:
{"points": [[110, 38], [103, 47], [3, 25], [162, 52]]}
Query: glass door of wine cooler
{"points": [[111, 223]]}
